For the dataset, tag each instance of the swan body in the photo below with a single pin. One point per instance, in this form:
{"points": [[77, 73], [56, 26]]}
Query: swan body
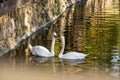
{"points": [[73, 55], [70, 55], [42, 51]]}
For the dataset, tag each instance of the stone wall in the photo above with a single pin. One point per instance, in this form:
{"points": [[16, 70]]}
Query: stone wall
{"points": [[19, 24], [10, 5]]}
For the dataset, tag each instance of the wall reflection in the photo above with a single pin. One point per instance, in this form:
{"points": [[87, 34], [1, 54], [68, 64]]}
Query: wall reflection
{"points": [[71, 25], [102, 28]]}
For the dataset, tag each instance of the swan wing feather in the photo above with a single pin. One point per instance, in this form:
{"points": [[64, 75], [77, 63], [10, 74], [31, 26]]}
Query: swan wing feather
{"points": [[74, 55], [41, 51]]}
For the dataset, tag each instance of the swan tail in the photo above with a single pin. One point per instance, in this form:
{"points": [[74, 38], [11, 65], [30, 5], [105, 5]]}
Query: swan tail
{"points": [[86, 55]]}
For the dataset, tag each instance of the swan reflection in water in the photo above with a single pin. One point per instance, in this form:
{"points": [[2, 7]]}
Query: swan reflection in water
{"points": [[39, 59], [69, 64], [73, 61], [116, 70]]}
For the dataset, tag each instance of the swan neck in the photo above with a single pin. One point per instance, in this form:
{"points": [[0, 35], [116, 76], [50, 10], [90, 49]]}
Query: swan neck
{"points": [[52, 46], [62, 49], [30, 47]]}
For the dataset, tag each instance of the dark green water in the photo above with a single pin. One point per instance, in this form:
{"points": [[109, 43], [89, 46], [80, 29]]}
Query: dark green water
{"points": [[89, 27]]}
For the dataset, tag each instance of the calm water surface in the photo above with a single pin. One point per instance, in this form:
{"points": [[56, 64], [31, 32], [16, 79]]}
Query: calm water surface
{"points": [[89, 27]]}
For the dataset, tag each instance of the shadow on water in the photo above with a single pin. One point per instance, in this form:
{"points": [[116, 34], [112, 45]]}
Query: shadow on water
{"points": [[86, 29]]}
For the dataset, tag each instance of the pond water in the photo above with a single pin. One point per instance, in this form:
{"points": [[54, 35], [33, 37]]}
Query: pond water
{"points": [[90, 27]]}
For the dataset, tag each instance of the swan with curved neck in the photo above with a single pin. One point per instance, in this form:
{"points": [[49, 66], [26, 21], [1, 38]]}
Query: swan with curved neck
{"points": [[42, 51], [70, 55]]}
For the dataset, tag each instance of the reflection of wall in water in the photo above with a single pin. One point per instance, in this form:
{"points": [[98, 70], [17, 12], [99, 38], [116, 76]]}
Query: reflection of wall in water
{"points": [[73, 28], [94, 6], [101, 28]]}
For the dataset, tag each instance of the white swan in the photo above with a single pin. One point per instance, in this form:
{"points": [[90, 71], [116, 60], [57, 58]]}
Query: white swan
{"points": [[70, 55], [42, 51]]}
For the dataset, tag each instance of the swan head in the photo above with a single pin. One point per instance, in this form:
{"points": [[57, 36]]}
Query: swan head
{"points": [[55, 34], [62, 37]]}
